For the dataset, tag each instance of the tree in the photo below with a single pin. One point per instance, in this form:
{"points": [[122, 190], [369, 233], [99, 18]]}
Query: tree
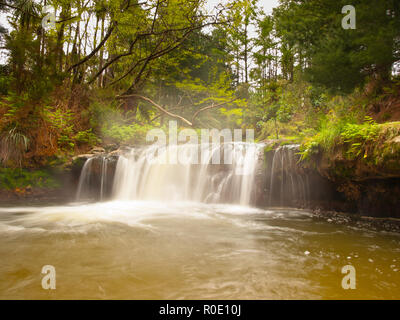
{"points": [[336, 58], [265, 58], [241, 15]]}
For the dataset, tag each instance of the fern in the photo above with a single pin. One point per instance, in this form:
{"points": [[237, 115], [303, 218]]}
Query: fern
{"points": [[13, 145]]}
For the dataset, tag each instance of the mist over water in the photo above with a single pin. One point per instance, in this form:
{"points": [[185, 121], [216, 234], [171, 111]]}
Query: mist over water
{"points": [[217, 173], [176, 231]]}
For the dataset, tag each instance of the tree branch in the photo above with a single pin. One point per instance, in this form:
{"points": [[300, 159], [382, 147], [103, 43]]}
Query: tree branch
{"points": [[212, 106], [173, 115], [157, 106], [95, 50], [114, 60]]}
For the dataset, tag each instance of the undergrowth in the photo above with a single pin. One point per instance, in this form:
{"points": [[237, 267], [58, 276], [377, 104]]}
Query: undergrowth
{"points": [[12, 179], [368, 141]]}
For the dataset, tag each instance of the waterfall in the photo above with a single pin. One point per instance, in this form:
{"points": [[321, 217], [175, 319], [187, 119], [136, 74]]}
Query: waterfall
{"points": [[197, 177], [288, 184], [210, 173], [217, 173], [84, 178], [103, 177], [93, 181]]}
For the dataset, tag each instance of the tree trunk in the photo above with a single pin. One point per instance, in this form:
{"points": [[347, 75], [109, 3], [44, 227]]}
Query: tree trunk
{"points": [[100, 83]]}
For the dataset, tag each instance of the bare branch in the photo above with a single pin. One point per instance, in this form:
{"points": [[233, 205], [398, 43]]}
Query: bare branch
{"points": [[114, 59], [160, 114], [158, 107], [173, 115], [212, 106], [82, 61]]}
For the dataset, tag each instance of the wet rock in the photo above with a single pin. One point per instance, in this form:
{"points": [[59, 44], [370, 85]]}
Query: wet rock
{"points": [[334, 184], [97, 150], [115, 153], [359, 221], [84, 156], [111, 147]]}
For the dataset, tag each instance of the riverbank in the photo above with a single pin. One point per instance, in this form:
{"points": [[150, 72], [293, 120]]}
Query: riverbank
{"points": [[35, 197], [353, 168], [358, 221]]}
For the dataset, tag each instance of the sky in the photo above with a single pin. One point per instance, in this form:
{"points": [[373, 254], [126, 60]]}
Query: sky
{"points": [[268, 5]]}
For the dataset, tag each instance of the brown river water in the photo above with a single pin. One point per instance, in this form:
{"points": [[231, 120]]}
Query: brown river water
{"points": [[190, 250]]}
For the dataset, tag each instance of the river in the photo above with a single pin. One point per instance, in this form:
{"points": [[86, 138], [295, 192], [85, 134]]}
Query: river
{"points": [[190, 250], [190, 230]]}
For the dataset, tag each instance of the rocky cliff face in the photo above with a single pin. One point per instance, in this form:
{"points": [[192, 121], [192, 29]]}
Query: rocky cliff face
{"points": [[334, 182], [289, 182]]}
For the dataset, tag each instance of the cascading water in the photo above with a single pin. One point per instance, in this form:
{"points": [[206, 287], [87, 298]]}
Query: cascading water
{"points": [[216, 173], [210, 173], [85, 179], [288, 185], [94, 179], [183, 247]]}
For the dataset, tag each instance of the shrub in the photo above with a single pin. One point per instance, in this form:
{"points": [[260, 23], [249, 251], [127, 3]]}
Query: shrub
{"points": [[13, 145], [351, 136], [86, 137], [127, 134], [11, 179]]}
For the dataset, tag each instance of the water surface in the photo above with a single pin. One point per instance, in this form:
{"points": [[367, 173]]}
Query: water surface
{"points": [[189, 250]]}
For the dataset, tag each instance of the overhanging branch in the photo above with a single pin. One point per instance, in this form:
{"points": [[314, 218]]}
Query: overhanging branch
{"points": [[173, 115], [157, 106], [212, 106]]}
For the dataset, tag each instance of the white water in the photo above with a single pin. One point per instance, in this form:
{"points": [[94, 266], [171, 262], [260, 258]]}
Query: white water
{"points": [[203, 173], [93, 181], [157, 239], [189, 250], [287, 184]]}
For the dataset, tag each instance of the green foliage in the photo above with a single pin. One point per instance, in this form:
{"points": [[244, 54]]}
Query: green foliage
{"points": [[350, 138], [291, 82], [336, 58], [233, 116], [308, 149], [59, 119], [279, 110], [11, 179], [112, 125], [13, 104], [65, 143], [86, 137], [103, 112], [4, 84], [127, 134], [62, 122], [357, 135]]}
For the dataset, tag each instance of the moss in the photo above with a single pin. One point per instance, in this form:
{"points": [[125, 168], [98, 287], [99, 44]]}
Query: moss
{"points": [[268, 148], [17, 179], [79, 161], [342, 171], [291, 140], [57, 160]]}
